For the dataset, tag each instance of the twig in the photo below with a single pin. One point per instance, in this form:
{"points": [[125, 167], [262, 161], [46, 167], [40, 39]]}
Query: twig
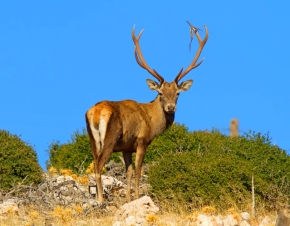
{"points": [[253, 197]]}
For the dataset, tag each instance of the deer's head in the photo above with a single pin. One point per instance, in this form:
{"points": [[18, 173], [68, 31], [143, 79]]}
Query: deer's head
{"points": [[169, 92]]}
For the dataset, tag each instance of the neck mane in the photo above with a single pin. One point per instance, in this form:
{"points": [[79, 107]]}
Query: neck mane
{"points": [[160, 119]]}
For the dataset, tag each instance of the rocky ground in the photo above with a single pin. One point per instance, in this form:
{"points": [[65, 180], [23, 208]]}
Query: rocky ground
{"points": [[69, 200]]}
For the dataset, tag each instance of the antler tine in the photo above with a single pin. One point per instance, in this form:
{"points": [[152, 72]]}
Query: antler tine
{"points": [[193, 63], [140, 59]]}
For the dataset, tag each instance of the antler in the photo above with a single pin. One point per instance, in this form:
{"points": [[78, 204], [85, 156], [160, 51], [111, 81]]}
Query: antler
{"points": [[193, 64], [140, 59]]}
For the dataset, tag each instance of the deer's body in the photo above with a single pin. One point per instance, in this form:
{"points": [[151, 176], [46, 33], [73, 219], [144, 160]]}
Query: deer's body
{"points": [[132, 122], [128, 126]]}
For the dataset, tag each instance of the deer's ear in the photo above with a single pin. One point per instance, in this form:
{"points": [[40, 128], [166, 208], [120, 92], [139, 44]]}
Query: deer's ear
{"points": [[184, 86], [152, 84]]}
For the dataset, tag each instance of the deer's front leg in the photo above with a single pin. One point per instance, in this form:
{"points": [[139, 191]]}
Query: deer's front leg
{"points": [[141, 150], [128, 162]]}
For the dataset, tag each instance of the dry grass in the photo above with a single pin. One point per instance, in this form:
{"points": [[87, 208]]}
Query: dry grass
{"points": [[59, 216], [66, 217], [73, 215]]}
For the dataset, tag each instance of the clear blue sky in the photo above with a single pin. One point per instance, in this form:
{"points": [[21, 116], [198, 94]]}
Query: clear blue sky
{"points": [[59, 58]]}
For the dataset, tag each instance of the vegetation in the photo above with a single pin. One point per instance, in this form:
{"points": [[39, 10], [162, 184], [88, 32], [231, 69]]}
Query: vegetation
{"points": [[18, 162], [195, 169], [75, 155], [200, 172]]}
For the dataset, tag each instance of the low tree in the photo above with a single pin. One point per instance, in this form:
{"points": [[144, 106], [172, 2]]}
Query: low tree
{"points": [[18, 162]]}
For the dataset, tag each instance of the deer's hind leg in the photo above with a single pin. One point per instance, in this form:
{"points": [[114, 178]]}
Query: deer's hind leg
{"points": [[101, 137], [108, 142], [96, 148]]}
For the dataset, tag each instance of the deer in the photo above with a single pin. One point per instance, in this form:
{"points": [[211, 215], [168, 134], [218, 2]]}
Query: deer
{"points": [[128, 126]]}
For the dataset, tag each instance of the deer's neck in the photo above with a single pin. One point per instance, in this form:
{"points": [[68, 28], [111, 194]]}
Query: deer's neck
{"points": [[160, 120]]}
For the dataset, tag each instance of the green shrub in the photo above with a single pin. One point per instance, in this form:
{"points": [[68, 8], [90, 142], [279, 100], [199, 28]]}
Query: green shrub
{"points": [[175, 139], [194, 169], [18, 162], [214, 169], [75, 154]]}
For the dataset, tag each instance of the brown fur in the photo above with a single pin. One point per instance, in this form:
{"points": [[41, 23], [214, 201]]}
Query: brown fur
{"points": [[128, 126], [131, 127]]}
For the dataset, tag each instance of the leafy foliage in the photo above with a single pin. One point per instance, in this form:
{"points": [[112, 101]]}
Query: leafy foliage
{"points": [[210, 168], [194, 169], [75, 155], [18, 162], [175, 139]]}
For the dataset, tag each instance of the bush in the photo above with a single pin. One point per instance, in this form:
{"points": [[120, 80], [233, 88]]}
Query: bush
{"points": [[75, 155], [175, 139], [201, 168], [18, 162], [194, 169]]}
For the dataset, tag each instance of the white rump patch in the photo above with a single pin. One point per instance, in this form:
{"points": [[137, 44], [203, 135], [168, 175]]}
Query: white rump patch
{"points": [[96, 134], [102, 129]]}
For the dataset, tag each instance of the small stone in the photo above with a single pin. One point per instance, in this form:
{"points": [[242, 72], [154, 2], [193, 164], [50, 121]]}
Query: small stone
{"points": [[230, 221], [61, 179], [68, 199], [93, 202], [245, 216], [140, 208], [118, 223], [218, 220], [204, 220], [140, 220], [244, 223], [266, 221], [8, 207], [107, 181], [131, 220], [12, 200]]}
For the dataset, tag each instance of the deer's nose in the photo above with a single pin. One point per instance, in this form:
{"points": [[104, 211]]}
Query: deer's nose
{"points": [[171, 108]]}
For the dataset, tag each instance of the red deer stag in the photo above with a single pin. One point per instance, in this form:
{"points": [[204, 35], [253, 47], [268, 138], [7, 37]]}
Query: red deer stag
{"points": [[128, 126]]}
